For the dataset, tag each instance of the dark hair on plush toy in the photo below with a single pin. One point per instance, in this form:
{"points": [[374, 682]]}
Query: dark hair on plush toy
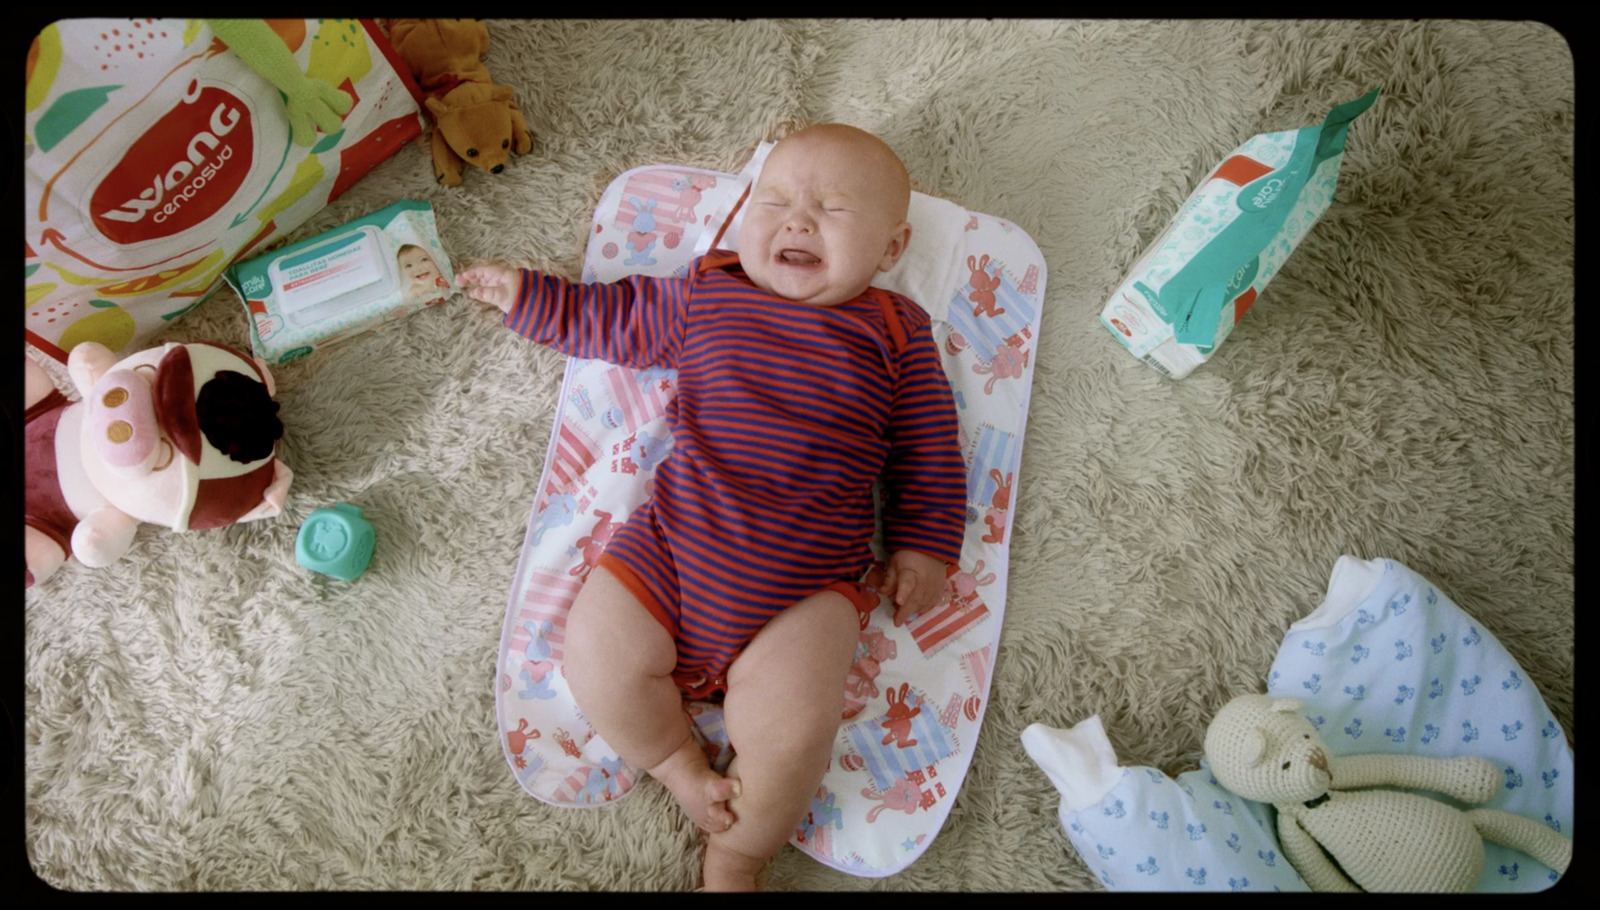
{"points": [[238, 416]]}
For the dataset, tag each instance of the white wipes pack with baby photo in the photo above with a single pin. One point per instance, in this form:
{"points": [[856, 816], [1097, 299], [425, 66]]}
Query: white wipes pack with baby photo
{"points": [[915, 697], [313, 292]]}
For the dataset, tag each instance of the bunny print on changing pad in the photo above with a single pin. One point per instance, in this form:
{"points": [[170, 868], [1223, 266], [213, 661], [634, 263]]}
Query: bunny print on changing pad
{"points": [[642, 239], [898, 719], [689, 194], [983, 287], [995, 518], [1008, 362], [537, 669]]}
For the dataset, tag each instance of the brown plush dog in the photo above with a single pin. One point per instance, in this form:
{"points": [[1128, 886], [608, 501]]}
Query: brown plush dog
{"points": [[475, 121]]}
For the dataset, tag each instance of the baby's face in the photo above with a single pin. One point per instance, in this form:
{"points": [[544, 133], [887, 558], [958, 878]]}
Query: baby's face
{"points": [[826, 215], [418, 266]]}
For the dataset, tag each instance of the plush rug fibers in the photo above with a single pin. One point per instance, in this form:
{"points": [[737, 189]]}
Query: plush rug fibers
{"points": [[205, 715]]}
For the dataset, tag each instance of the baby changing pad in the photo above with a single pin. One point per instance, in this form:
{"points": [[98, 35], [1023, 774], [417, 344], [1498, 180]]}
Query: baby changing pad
{"points": [[916, 695]]}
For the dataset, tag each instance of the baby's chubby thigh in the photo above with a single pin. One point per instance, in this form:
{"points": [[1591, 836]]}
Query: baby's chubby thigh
{"points": [[618, 664], [782, 713], [791, 675], [610, 633]]}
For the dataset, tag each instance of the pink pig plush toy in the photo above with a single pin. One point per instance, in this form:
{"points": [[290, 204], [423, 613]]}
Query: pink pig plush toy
{"points": [[183, 436]]}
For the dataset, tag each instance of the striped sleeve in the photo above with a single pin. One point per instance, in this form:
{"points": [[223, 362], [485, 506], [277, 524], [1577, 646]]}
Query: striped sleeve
{"points": [[926, 474], [633, 322]]}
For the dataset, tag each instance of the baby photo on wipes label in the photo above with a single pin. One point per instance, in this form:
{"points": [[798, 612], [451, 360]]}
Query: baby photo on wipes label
{"points": [[341, 282]]}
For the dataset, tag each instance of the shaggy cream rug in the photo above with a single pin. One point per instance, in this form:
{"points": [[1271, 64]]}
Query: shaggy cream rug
{"points": [[205, 715]]}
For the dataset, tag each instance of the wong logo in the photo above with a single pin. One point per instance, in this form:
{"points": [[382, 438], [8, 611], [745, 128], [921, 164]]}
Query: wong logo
{"points": [[180, 172]]}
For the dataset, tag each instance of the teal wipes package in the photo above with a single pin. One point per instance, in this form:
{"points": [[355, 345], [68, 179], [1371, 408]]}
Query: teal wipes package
{"points": [[342, 282], [1233, 233]]}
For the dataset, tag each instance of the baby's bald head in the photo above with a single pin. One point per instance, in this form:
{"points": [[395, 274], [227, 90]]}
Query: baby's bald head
{"points": [[866, 153], [827, 214]]}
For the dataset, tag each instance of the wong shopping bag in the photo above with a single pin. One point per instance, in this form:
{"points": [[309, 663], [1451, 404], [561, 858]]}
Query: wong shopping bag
{"points": [[155, 156]]}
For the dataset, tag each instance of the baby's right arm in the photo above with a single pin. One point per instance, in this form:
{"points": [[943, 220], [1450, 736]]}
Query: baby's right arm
{"points": [[636, 321]]}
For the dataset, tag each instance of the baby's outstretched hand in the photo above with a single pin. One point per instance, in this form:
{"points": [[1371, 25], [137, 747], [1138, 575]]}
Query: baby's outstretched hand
{"points": [[496, 284], [914, 582]]}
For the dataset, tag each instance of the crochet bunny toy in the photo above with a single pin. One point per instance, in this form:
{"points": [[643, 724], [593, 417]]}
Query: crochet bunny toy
{"points": [[181, 435], [1264, 749]]}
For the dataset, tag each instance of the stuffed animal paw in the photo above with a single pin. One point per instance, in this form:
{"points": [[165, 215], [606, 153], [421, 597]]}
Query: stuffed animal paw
{"points": [[1479, 779], [315, 105]]}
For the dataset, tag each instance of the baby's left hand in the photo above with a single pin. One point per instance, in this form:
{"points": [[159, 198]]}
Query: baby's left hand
{"points": [[914, 582]]}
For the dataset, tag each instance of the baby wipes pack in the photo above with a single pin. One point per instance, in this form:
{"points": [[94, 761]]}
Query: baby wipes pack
{"points": [[342, 282], [1233, 233]]}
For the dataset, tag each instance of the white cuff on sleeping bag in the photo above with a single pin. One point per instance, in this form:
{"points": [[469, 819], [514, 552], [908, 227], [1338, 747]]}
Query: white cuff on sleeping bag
{"points": [[1079, 761], [1349, 584]]}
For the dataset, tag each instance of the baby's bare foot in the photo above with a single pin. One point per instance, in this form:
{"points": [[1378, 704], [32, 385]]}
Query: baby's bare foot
{"points": [[702, 792], [726, 870]]}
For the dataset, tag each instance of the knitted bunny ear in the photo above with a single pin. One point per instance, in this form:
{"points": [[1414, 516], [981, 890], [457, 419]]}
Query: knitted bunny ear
{"points": [[1287, 705], [1252, 746]]}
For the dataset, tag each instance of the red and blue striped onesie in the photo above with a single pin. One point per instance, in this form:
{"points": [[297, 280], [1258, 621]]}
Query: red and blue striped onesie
{"points": [[786, 414]]}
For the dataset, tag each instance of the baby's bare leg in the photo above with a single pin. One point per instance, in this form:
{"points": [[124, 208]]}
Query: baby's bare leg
{"points": [[618, 665], [785, 698]]}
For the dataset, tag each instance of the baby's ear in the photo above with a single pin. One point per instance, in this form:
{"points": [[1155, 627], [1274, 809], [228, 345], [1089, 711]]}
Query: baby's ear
{"points": [[899, 239]]}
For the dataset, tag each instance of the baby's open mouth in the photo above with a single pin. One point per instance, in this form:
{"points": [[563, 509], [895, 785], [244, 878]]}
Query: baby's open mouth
{"points": [[797, 257]]}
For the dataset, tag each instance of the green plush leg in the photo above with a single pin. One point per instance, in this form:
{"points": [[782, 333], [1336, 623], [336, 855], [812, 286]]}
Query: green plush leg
{"points": [[312, 103], [1524, 834]]}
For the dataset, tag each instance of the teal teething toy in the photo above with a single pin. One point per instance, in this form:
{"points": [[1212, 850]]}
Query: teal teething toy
{"points": [[335, 541]]}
